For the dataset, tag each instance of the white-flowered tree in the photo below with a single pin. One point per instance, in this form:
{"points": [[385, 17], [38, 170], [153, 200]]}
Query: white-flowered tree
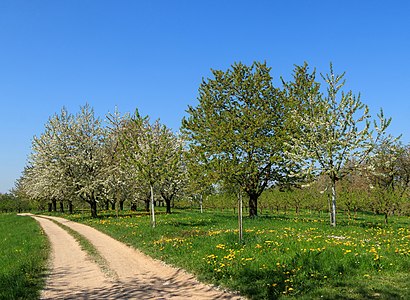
{"points": [[67, 160], [156, 155], [333, 127]]}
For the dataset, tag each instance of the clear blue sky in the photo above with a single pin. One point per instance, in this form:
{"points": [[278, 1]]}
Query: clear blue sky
{"points": [[152, 55]]}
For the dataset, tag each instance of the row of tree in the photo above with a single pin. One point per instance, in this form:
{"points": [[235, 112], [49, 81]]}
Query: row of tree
{"points": [[77, 159], [245, 135], [381, 191]]}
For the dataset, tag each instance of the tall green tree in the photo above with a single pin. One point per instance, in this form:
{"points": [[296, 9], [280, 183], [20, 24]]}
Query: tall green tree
{"points": [[237, 128], [332, 127]]}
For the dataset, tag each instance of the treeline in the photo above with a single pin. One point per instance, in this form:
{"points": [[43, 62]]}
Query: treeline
{"points": [[355, 194], [291, 143], [10, 203]]}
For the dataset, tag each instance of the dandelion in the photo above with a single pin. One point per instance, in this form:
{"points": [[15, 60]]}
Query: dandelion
{"points": [[220, 246], [231, 255]]}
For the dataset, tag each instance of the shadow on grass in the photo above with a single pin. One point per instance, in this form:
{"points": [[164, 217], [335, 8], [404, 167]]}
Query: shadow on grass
{"points": [[303, 278], [356, 290]]}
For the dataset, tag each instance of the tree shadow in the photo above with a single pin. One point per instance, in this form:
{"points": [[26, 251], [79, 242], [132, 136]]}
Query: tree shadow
{"points": [[152, 288]]}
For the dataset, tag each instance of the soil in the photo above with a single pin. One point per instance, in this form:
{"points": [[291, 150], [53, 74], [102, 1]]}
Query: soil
{"points": [[131, 275]]}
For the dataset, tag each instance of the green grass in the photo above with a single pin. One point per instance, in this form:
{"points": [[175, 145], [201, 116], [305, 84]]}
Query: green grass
{"points": [[282, 257], [23, 251]]}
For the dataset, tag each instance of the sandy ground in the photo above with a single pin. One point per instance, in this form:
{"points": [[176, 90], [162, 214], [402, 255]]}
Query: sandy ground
{"points": [[133, 275]]}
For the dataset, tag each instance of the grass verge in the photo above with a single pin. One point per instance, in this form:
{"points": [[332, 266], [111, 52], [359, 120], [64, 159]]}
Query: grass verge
{"points": [[24, 250], [282, 256]]}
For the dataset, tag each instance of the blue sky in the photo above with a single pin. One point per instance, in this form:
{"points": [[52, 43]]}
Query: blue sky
{"points": [[152, 55]]}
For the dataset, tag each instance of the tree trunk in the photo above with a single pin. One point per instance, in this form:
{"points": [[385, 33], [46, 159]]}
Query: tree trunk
{"points": [[152, 207], [107, 204], [333, 204], [121, 205], [61, 206], [240, 223], [113, 205], [386, 216], [200, 203], [253, 205], [50, 207], [70, 207], [168, 203], [54, 203], [147, 205], [93, 206]]}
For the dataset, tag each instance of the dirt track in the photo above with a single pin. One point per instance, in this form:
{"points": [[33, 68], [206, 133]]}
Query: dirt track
{"points": [[133, 275]]}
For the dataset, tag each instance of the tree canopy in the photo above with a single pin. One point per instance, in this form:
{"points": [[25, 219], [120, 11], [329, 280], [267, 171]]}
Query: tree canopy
{"points": [[237, 128]]}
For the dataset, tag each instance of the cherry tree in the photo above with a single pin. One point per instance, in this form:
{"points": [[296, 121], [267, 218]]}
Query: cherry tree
{"points": [[331, 128]]}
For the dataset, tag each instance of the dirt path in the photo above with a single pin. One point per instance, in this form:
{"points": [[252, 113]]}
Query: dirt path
{"points": [[73, 276]]}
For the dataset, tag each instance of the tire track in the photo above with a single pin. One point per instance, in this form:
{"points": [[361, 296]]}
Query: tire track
{"points": [[139, 276], [72, 274]]}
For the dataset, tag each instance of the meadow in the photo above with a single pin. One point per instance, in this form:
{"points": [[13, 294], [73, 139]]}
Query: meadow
{"points": [[282, 256], [23, 252]]}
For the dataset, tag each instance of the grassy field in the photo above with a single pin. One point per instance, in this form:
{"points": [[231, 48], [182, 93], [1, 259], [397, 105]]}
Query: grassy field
{"points": [[282, 256], [23, 252]]}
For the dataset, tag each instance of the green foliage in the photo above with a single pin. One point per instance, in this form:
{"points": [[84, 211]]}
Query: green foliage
{"points": [[11, 203], [236, 131], [23, 252], [282, 255], [244, 136]]}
